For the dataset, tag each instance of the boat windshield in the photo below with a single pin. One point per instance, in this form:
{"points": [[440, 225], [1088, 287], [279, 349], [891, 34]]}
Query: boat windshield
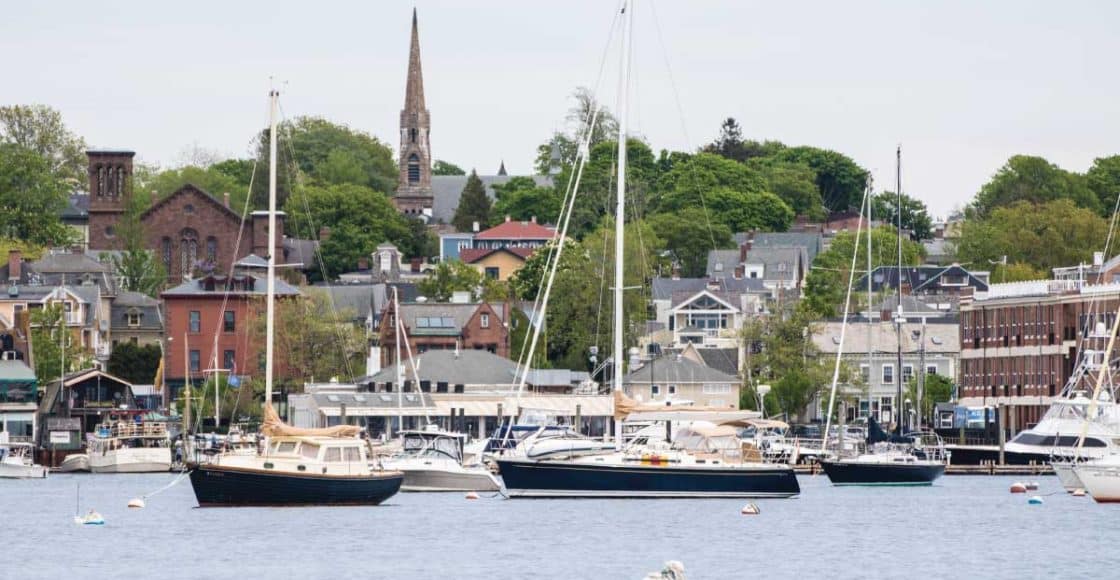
{"points": [[431, 446], [689, 440]]}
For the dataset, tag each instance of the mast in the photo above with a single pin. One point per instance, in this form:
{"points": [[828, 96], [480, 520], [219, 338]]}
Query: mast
{"points": [[870, 312], [898, 405], [620, 210], [270, 294], [397, 361], [186, 396]]}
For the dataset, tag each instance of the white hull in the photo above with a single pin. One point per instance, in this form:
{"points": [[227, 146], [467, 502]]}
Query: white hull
{"points": [[639, 494], [1100, 479], [1066, 476], [10, 471], [424, 474], [131, 460], [74, 463]]}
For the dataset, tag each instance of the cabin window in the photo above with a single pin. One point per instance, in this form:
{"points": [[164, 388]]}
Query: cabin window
{"points": [[286, 447], [334, 454], [353, 454], [309, 450]]}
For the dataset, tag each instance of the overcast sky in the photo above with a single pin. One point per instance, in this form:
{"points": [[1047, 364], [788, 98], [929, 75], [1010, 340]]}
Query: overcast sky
{"points": [[962, 85]]}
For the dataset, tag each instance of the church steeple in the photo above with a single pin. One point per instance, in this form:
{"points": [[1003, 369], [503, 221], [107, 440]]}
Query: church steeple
{"points": [[414, 186]]}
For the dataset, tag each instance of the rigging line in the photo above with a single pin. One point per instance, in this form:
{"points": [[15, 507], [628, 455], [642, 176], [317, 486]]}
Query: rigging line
{"points": [[864, 204], [681, 118], [297, 178], [1093, 302]]}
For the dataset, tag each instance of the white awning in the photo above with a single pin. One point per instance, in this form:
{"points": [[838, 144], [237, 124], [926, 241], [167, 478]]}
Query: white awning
{"points": [[589, 405]]}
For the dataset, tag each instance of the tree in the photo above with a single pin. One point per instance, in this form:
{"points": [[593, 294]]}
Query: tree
{"points": [[359, 217], [441, 167], [780, 352], [827, 282], [151, 188], [1044, 236], [737, 210], [140, 269], [795, 183], [134, 363], [48, 335], [1017, 272], [936, 389], [1104, 179], [915, 216], [522, 199], [605, 129], [314, 341], [474, 205], [448, 278], [32, 197], [1035, 180], [242, 171], [39, 128], [729, 144], [689, 235], [839, 179]]}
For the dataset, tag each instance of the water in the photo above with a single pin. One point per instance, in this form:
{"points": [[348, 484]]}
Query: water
{"points": [[963, 526]]}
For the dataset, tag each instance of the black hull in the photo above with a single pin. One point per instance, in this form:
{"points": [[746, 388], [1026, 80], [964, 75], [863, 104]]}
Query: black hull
{"points": [[526, 478], [857, 473], [969, 455], [215, 486]]}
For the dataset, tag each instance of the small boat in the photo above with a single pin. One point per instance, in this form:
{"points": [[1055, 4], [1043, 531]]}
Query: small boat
{"points": [[915, 459], [92, 518], [16, 461], [73, 463], [125, 443], [432, 460], [1100, 478]]}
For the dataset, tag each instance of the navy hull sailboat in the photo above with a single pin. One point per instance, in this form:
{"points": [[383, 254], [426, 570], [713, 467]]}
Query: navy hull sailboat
{"points": [[890, 460]]}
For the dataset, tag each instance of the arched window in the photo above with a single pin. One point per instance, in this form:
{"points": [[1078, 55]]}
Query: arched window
{"points": [[212, 250], [413, 169], [165, 248], [188, 251], [412, 134], [100, 181]]}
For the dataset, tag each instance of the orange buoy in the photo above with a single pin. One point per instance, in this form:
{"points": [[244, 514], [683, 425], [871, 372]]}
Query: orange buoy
{"points": [[1018, 487], [472, 495]]}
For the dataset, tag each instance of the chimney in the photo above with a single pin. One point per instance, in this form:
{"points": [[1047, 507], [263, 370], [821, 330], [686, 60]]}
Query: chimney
{"points": [[474, 227], [745, 249], [507, 219], [225, 199], [324, 233], [415, 263], [740, 272], [533, 219], [15, 264]]}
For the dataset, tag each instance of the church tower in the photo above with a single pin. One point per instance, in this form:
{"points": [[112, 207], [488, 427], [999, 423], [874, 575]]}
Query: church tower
{"points": [[414, 186], [110, 192]]}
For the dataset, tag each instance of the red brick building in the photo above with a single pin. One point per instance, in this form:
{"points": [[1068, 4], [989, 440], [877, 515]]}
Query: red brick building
{"points": [[206, 325], [443, 326]]}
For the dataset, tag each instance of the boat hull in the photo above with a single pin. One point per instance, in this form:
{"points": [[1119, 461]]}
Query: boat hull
{"points": [[1066, 476], [223, 486], [985, 454], [8, 471], [528, 478], [74, 463], [131, 460], [440, 480], [872, 473], [1102, 482]]}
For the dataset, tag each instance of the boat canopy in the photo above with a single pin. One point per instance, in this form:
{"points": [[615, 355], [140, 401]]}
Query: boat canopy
{"points": [[705, 437], [272, 426]]}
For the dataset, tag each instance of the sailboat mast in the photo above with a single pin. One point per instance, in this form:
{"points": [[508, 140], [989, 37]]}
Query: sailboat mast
{"points": [[397, 361], [898, 404], [620, 210], [871, 326], [270, 294]]}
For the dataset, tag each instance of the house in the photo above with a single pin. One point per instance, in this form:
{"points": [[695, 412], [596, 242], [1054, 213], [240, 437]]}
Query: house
{"points": [[136, 318], [950, 281], [812, 242], [74, 406], [675, 378], [496, 263], [871, 346], [444, 326], [19, 395], [708, 312], [209, 319], [781, 268], [508, 234]]}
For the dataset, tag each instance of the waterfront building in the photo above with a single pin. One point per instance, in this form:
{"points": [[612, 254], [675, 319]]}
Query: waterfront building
{"points": [[72, 407], [19, 390], [675, 378]]}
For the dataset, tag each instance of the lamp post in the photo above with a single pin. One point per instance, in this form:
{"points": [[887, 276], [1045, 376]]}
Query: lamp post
{"points": [[762, 391]]}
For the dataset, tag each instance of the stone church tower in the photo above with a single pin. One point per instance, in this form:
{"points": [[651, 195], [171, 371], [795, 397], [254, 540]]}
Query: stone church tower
{"points": [[110, 192], [414, 186]]}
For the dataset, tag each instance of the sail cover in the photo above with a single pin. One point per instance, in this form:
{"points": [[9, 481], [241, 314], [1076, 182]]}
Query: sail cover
{"points": [[274, 427], [876, 434], [625, 407]]}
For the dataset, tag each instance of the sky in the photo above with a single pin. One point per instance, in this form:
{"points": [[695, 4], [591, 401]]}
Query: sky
{"points": [[960, 85]]}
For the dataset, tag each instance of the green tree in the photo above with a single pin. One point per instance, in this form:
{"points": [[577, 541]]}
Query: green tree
{"points": [[40, 128], [522, 199], [474, 205], [689, 235], [32, 196], [1016, 272], [448, 278], [313, 339], [242, 171], [134, 363], [915, 216], [795, 183], [780, 352], [827, 282], [937, 389], [1035, 180], [1044, 236], [605, 129], [839, 179], [48, 335], [217, 183], [441, 167], [1104, 179], [729, 144], [139, 269], [359, 217], [738, 210]]}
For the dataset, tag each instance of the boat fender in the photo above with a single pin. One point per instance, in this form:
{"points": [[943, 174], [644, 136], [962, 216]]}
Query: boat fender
{"points": [[1032, 485], [136, 503], [1079, 492], [750, 509], [1018, 487], [1035, 500], [472, 495]]}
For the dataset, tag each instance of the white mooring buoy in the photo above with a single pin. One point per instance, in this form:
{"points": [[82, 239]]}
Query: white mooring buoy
{"points": [[472, 495], [750, 510], [136, 503], [1079, 492]]}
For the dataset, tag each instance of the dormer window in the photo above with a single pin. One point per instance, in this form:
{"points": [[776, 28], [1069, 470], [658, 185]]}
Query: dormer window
{"points": [[134, 319]]}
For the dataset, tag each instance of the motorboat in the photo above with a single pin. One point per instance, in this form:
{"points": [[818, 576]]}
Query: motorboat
{"points": [[432, 460], [125, 443], [1100, 478], [16, 461], [914, 459], [73, 463]]}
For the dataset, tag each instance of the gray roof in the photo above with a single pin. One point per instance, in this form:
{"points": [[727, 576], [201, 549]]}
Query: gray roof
{"points": [[251, 261], [772, 258], [943, 338], [68, 262], [468, 367], [812, 242], [298, 251], [726, 259], [382, 400], [77, 208], [910, 305], [667, 288], [725, 360], [676, 369], [16, 370], [459, 313], [195, 288], [446, 190], [136, 303]]}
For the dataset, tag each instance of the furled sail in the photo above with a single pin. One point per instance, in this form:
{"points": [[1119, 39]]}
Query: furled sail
{"points": [[625, 406], [274, 427]]}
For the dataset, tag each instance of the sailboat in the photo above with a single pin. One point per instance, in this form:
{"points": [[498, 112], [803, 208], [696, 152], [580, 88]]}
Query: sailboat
{"points": [[889, 459], [329, 466], [572, 466], [1099, 477]]}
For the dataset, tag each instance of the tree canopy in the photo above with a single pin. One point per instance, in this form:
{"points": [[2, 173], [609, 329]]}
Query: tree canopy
{"points": [[915, 216], [522, 199], [1034, 180], [1043, 235], [448, 278], [827, 282], [32, 197], [474, 206], [441, 167], [40, 129]]}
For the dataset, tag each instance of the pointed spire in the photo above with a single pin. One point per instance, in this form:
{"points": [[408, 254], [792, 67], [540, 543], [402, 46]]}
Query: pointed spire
{"points": [[502, 168], [414, 92]]}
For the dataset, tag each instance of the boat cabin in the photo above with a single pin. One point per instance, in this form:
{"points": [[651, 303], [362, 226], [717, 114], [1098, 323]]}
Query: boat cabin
{"points": [[317, 449], [435, 444]]}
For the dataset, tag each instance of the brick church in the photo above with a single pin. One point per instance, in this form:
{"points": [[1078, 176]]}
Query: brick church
{"points": [[190, 230]]}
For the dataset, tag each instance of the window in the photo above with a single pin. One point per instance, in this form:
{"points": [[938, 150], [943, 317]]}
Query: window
{"points": [[931, 369], [227, 360], [309, 450], [196, 321], [412, 134], [484, 321], [188, 251], [196, 361], [228, 321], [654, 390], [165, 251], [352, 454], [672, 389], [286, 447], [133, 319], [865, 373], [888, 374], [492, 272], [413, 169], [716, 389], [333, 454], [907, 373], [212, 249]]}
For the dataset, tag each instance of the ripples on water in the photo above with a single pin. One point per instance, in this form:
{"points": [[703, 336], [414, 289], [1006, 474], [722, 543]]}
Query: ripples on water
{"points": [[962, 527]]}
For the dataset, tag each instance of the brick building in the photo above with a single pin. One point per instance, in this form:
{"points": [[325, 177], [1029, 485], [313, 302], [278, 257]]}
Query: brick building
{"points": [[444, 326], [1020, 342]]}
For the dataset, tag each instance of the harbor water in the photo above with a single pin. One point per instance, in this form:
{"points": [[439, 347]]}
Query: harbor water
{"points": [[963, 526]]}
